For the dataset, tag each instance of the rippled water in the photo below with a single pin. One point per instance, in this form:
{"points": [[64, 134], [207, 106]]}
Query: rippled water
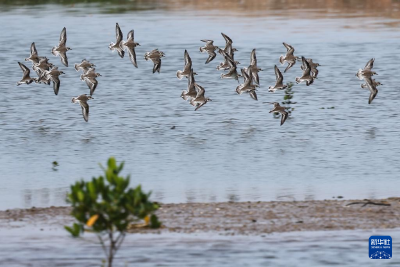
{"points": [[230, 149], [335, 248]]}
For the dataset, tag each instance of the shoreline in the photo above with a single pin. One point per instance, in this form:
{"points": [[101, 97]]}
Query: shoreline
{"points": [[237, 218]]}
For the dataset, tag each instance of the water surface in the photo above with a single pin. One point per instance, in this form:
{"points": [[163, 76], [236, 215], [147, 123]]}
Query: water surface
{"points": [[334, 248], [231, 149]]}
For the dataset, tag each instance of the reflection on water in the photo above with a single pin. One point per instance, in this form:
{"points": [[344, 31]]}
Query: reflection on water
{"points": [[44, 197], [232, 149]]}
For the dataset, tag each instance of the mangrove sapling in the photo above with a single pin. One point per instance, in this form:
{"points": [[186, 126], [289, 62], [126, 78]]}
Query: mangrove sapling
{"points": [[107, 207]]}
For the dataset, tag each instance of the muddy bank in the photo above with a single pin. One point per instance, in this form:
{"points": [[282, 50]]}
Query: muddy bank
{"points": [[239, 217]]}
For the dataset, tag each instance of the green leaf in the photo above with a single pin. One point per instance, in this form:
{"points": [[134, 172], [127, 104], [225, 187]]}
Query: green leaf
{"points": [[80, 195], [154, 222], [92, 190], [74, 230], [112, 164]]}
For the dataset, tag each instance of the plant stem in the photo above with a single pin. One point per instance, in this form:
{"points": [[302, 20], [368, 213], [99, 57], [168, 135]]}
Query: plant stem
{"points": [[111, 254], [120, 241], [103, 245]]}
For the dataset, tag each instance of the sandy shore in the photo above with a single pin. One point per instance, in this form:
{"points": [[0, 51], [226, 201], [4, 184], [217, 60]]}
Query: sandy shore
{"points": [[239, 217]]}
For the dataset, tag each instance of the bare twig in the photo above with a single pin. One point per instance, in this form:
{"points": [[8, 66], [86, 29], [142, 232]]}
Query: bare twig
{"points": [[103, 245], [120, 241], [368, 202]]}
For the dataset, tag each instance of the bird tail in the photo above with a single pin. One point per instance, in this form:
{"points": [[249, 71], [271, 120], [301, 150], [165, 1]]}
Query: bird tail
{"points": [[76, 66], [281, 59], [184, 96], [179, 74]]}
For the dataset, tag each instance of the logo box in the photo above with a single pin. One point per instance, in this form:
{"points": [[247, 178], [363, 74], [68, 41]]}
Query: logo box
{"points": [[380, 247]]}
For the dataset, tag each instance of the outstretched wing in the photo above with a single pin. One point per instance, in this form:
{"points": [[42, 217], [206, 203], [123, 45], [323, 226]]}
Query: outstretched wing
{"points": [[208, 41], [200, 90], [33, 49], [253, 94], [157, 65], [284, 116], [85, 110], [56, 85], [92, 84], [278, 74], [372, 96], [64, 59], [63, 37], [289, 48], [188, 60], [226, 37], [118, 34], [370, 64], [121, 52], [211, 56], [132, 56], [290, 64], [130, 35], [24, 68], [306, 66], [253, 58]]}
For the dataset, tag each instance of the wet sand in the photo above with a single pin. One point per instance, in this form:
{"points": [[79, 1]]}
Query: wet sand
{"points": [[243, 218]]}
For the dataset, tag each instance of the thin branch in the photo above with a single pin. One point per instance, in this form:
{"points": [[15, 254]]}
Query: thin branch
{"points": [[368, 202], [103, 245], [120, 241], [111, 255]]}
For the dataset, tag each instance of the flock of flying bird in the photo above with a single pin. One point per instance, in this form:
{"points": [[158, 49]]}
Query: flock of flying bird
{"points": [[48, 73]]}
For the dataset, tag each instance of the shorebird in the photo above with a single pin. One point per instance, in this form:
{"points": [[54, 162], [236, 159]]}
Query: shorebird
{"points": [[33, 57], [232, 74], [374, 83], [187, 68], [191, 92], [118, 43], [279, 81], [372, 88], [200, 100], [42, 66], [90, 73], [367, 71], [155, 56], [282, 110], [53, 75], [43, 79], [210, 48], [61, 49], [85, 65], [247, 86], [82, 100], [313, 66], [289, 57], [306, 77], [225, 65], [25, 78], [90, 78], [130, 46], [228, 46], [254, 68]]}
